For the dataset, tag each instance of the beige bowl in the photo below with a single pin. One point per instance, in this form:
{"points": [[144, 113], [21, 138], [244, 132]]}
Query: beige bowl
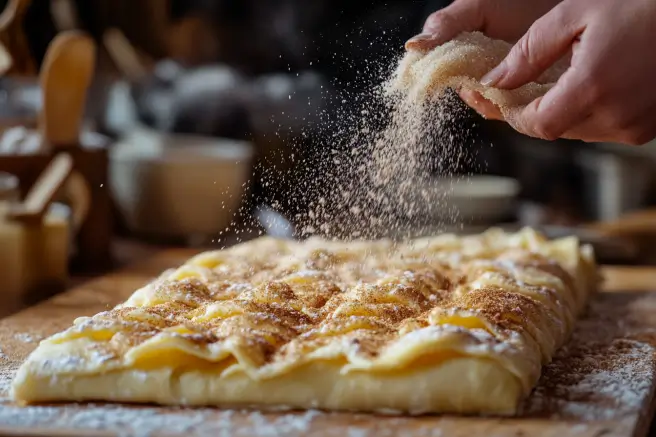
{"points": [[179, 185], [478, 199]]}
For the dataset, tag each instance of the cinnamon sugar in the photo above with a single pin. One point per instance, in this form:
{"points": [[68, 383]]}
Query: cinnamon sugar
{"points": [[286, 307], [461, 63], [607, 370], [376, 164]]}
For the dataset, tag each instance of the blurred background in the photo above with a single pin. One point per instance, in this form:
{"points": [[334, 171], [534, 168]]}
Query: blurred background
{"points": [[204, 119]]}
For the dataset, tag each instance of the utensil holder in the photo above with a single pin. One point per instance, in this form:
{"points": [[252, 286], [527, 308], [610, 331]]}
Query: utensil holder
{"points": [[93, 239]]}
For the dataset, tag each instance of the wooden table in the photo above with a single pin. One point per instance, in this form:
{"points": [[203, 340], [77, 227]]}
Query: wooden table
{"points": [[624, 314]]}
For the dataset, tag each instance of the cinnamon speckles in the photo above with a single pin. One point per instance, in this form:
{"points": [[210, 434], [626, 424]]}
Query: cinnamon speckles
{"points": [[351, 298]]}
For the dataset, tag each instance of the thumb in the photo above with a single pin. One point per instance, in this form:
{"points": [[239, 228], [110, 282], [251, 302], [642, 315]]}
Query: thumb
{"points": [[445, 24], [546, 42]]}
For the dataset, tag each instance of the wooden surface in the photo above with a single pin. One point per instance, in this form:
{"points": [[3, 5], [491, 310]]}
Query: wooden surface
{"points": [[638, 227], [625, 311]]}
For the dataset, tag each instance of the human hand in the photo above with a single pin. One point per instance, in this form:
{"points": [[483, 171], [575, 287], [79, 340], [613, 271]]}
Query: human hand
{"points": [[499, 19], [608, 94]]}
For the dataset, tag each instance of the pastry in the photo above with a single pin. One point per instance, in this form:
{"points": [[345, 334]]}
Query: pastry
{"points": [[435, 325]]}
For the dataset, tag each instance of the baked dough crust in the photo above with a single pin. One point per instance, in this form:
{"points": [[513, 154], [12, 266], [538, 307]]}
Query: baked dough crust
{"points": [[436, 325]]}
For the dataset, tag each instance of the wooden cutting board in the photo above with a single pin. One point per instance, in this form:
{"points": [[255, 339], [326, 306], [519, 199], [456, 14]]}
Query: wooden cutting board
{"points": [[601, 384]]}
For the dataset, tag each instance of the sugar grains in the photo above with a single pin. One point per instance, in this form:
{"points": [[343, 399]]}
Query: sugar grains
{"points": [[381, 181], [368, 169]]}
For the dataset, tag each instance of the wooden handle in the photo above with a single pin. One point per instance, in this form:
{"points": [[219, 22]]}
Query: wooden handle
{"points": [[633, 224], [5, 59], [33, 208], [65, 78], [124, 55], [77, 194]]}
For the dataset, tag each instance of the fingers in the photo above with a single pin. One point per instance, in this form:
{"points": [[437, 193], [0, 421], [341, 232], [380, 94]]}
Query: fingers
{"points": [[547, 41], [445, 24], [565, 105], [639, 130], [636, 131], [480, 104]]}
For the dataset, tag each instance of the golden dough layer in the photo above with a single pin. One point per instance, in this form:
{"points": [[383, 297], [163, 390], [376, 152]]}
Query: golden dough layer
{"points": [[444, 324]]}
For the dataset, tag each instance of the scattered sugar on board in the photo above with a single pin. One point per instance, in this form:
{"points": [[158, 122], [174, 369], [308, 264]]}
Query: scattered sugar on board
{"points": [[7, 372], [607, 370], [27, 338]]}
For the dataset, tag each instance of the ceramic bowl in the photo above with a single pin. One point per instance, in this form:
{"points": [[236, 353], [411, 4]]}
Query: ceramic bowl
{"points": [[179, 185]]}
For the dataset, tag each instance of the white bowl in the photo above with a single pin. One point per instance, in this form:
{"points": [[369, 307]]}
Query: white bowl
{"points": [[479, 199], [179, 185]]}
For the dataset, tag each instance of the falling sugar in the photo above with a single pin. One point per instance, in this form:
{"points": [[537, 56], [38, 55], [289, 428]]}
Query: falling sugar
{"points": [[382, 183], [379, 154]]}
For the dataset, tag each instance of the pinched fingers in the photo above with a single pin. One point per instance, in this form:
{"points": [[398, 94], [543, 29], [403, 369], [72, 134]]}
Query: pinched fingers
{"points": [[480, 104], [547, 41], [564, 106], [601, 128], [586, 104]]}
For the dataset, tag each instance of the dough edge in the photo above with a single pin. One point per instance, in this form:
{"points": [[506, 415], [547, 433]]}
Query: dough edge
{"points": [[466, 385]]}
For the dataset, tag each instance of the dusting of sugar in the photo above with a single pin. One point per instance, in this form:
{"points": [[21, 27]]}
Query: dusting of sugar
{"points": [[7, 372], [607, 370], [27, 338]]}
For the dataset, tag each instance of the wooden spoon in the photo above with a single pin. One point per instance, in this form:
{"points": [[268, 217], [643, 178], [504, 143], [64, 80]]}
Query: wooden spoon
{"points": [[44, 190], [65, 78]]}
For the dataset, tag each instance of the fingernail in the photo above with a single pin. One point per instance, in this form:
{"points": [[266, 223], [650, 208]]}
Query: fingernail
{"points": [[422, 37], [494, 76]]}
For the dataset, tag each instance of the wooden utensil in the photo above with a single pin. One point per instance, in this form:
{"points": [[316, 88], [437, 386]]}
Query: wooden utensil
{"points": [[634, 223], [65, 78], [14, 42], [42, 193], [639, 227], [124, 55], [5, 60], [93, 240], [64, 14]]}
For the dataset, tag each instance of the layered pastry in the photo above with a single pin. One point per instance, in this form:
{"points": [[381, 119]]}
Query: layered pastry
{"points": [[444, 324]]}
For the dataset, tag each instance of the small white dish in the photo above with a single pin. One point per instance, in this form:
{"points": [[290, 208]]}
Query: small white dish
{"points": [[480, 199], [174, 185]]}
